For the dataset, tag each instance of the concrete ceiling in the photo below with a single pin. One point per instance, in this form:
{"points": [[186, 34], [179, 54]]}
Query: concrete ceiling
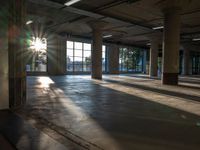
{"points": [[130, 21]]}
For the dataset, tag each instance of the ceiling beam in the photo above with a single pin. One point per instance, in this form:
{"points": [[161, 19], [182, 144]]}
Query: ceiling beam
{"points": [[100, 16]]}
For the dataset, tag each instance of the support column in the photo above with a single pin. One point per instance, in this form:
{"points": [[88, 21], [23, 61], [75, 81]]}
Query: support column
{"points": [[144, 61], [56, 53], [153, 67], [4, 76], [171, 44], [97, 49], [113, 59], [16, 53], [186, 62]]}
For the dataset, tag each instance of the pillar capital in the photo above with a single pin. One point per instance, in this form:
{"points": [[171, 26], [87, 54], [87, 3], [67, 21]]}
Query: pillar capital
{"points": [[172, 6], [97, 25], [171, 10], [155, 37], [186, 46]]}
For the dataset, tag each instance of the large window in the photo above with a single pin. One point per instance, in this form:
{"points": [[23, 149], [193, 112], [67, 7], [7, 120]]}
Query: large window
{"points": [[104, 59], [130, 60], [195, 56], [86, 57], [37, 55], [79, 57]]}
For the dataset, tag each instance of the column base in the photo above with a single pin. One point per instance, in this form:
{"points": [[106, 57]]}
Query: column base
{"points": [[153, 75], [97, 77], [17, 92], [114, 72], [170, 78]]}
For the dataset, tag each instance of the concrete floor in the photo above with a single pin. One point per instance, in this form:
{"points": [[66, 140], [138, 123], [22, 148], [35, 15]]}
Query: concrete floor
{"points": [[129, 112]]}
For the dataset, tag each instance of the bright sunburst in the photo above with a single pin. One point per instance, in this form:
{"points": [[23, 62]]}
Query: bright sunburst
{"points": [[38, 44]]}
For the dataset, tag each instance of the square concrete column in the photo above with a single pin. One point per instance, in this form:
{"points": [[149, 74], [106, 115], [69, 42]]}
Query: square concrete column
{"points": [[56, 53], [153, 67], [186, 62], [97, 41], [113, 59], [144, 61], [171, 44], [4, 76], [16, 52]]}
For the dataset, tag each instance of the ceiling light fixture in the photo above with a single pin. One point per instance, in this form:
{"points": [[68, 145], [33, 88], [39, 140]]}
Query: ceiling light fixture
{"points": [[157, 28], [71, 2], [29, 22], [148, 44], [196, 39], [107, 36]]}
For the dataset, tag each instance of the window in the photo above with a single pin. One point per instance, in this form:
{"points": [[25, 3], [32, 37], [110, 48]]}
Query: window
{"points": [[79, 57], [37, 55], [86, 57], [70, 55], [104, 58], [130, 60]]}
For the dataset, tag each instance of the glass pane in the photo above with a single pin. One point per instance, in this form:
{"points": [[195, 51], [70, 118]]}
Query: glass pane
{"points": [[78, 53], [78, 45], [70, 44], [103, 54], [69, 63], [103, 67], [87, 54], [78, 60], [87, 67], [36, 56], [69, 52], [104, 48], [78, 67], [87, 46], [87, 60]]}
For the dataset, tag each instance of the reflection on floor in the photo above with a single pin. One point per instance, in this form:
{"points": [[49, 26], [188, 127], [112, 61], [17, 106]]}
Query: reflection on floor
{"points": [[129, 112]]}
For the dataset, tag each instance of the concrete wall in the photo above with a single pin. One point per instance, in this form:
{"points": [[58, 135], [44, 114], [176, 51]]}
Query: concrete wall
{"points": [[113, 59], [56, 54]]}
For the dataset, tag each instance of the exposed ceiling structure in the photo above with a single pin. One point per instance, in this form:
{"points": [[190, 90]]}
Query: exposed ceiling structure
{"points": [[129, 21]]}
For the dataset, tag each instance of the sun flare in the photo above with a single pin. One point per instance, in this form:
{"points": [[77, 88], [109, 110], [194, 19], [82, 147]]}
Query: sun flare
{"points": [[38, 44]]}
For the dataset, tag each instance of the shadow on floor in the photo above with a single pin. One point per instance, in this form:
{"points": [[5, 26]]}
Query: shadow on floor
{"points": [[23, 136], [84, 108], [156, 90]]}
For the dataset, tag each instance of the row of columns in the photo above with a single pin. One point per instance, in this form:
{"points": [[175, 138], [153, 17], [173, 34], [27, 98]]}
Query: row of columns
{"points": [[13, 73], [171, 47], [171, 44]]}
